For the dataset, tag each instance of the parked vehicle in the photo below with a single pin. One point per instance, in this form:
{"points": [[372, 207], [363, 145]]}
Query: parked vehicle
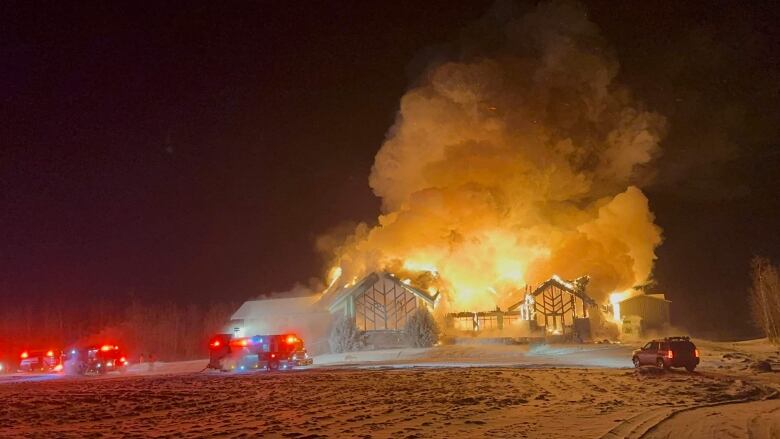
{"points": [[41, 360], [668, 352], [98, 359], [271, 352]]}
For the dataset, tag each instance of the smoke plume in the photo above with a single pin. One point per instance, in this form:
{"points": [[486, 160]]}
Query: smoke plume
{"points": [[515, 156]]}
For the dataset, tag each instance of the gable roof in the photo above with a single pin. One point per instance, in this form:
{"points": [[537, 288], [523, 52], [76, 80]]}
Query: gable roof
{"points": [[575, 287], [339, 296]]}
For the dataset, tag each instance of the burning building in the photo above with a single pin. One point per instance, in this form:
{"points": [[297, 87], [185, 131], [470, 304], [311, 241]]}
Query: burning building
{"points": [[554, 308], [515, 155], [380, 303]]}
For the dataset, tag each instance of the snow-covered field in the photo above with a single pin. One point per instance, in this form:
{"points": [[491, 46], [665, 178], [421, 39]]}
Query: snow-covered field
{"points": [[462, 390]]}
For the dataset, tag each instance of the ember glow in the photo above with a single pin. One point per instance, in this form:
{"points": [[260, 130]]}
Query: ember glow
{"points": [[513, 162]]}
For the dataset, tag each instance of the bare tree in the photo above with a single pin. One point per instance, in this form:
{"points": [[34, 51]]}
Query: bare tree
{"points": [[765, 297]]}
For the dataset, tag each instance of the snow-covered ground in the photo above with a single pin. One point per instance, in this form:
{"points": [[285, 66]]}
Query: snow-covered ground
{"points": [[587, 355], [517, 391]]}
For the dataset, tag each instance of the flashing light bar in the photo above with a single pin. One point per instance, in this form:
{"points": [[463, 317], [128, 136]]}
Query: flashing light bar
{"points": [[291, 339], [50, 353], [25, 355]]}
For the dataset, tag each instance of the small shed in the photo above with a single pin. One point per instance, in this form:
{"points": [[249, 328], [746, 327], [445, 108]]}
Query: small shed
{"points": [[651, 309]]}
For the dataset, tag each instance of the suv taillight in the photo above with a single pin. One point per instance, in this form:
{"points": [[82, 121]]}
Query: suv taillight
{"points": [[696, 353], [669, 354]]}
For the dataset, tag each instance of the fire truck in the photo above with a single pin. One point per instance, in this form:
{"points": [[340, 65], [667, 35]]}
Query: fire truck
{"points": [[98, 360], [270, 352], [41, 360]]}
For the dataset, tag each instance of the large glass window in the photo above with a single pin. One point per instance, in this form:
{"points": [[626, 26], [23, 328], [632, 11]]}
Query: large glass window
{"points": [[384, 306]]}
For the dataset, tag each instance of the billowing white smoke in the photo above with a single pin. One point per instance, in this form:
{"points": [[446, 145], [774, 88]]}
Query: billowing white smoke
{"points": [[517, 158]]}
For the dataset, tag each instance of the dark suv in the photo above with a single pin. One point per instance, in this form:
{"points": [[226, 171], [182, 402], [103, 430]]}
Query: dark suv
{"points": [[668, 352]]}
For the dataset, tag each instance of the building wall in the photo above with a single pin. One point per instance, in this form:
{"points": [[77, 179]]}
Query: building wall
{"points": [[654, 312]]}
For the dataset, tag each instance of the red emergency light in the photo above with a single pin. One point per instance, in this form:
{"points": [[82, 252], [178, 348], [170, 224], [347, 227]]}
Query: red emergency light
{"points": [[291, 339], [108, 347], [215, 344], [50, 353], [25, 355]]}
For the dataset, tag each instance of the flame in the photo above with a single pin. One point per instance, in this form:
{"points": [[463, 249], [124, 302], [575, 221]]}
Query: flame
{"points": [[507, 165], [615, 299], [333, 275], [420, 265]]}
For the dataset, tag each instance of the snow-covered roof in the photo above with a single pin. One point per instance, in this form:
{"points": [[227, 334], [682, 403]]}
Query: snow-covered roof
{"points": [[361, 286], [258, 309]]}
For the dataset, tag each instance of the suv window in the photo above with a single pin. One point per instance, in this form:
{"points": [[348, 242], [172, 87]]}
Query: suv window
{"points": [[647, 346]]}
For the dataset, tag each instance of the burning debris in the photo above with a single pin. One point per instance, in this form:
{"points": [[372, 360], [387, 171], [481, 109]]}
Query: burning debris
{"points": [[517, 157]]}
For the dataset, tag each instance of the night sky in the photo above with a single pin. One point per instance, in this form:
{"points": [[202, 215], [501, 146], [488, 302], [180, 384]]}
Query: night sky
{"points": [[194, 153]]}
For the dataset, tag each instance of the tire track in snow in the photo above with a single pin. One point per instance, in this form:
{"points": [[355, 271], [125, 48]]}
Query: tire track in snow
{"points": [[644, 424]]}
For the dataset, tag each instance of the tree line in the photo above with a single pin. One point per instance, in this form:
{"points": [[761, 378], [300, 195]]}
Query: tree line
{"points": [[167, 330]]}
